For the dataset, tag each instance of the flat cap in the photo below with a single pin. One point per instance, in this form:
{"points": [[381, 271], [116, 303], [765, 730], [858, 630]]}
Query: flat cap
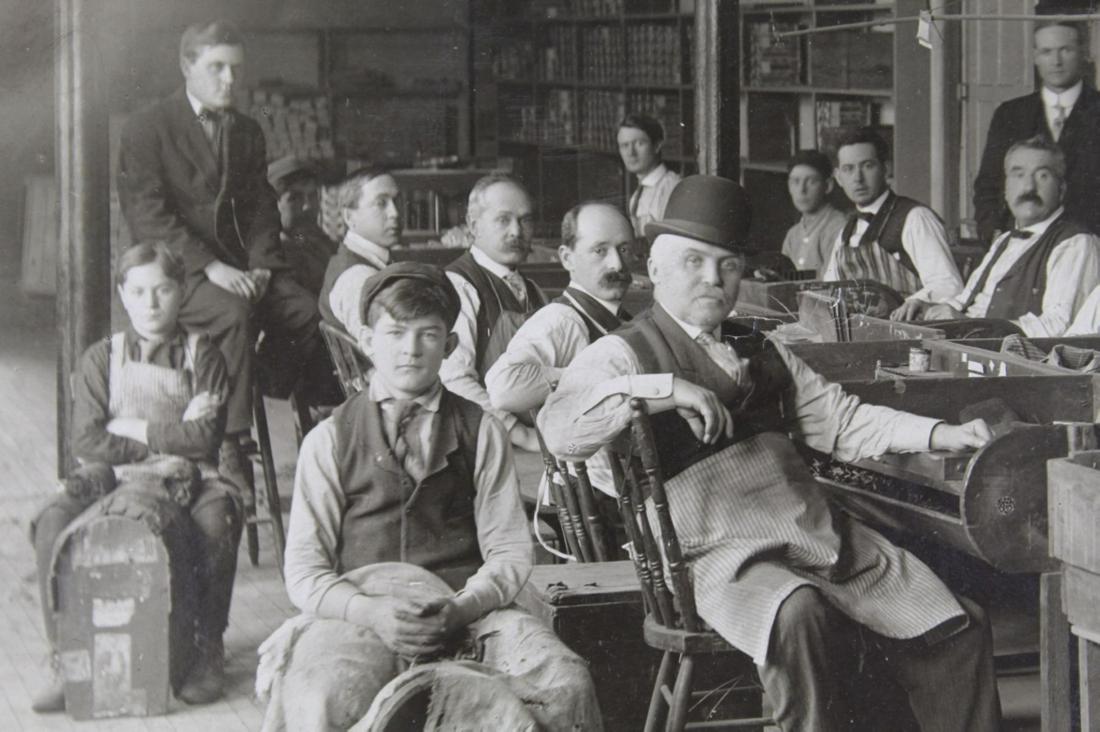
{"points": [[279, 170], [429, 274]]}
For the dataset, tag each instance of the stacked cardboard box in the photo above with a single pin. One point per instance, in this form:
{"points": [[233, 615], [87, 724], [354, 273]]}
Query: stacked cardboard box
{"points": [[293, 122]]}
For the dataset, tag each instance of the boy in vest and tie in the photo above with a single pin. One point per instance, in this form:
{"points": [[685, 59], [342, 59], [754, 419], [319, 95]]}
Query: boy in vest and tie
{"points": [[496, 299], [891, 239], [407, 538], [1038, 274], [149, 391]]}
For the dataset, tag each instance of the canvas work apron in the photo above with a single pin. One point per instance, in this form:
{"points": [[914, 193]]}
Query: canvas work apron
{"points": [[147, 391], [755, 526]]}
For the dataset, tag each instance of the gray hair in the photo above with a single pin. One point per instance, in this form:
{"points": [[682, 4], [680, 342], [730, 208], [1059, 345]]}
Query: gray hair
{"points": [[476, 201], [1041, 144]]}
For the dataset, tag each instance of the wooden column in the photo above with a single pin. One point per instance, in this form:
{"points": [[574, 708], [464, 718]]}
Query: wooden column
{"points": [[717, 88], [84, 256]]}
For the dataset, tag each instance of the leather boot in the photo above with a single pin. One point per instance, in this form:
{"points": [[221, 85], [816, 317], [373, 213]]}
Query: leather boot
{"points": [[235, 467], [205, 683], [51, 696]]}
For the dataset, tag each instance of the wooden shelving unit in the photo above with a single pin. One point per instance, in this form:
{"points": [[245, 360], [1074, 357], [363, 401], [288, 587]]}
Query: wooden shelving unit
{"points": [[562, 75], [800, 92]]}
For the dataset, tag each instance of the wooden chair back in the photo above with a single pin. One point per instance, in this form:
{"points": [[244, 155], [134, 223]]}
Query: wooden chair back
{"points": [[352, 365], [662, 570], [583, 528]]}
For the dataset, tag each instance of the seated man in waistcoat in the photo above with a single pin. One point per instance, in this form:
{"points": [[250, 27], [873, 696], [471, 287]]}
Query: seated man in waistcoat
{"points": [[370, 205], [817, 599], [889, 238], [596, 249], [408, 472], [496, 298], [1039, 273], [307, 247], [149, 391]]}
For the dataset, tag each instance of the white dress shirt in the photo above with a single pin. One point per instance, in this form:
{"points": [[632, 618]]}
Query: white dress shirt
{"points": [[924, 240], [320, 502], [459, 370], [345, 296], [1066, 100], [649, 200], [1073, 270], [538, 353]]}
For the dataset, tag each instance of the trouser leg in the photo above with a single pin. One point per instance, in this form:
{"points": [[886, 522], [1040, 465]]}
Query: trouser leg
{"points": [[951, 684], [216, 515], [293, 352], [45, 528], [517, 644], [812, 652], [224, 316]]}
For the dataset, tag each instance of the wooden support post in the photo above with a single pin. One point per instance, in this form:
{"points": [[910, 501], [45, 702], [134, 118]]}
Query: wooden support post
{"points": [[717, 88], [84, 256], [1088, 664], [1054, 656]]}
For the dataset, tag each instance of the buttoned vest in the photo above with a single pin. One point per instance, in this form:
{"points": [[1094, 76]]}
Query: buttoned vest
{"points": [[1021, 289], [389, 517]]}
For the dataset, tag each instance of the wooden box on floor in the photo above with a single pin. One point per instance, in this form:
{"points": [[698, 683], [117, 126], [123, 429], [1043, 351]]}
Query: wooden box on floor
{"points": [[125, 618], [596, 610]]}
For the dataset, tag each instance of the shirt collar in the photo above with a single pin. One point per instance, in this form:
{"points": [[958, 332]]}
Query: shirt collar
{"points": [[1066, 99], [654, 175], [380, 392], [1040, 227], [693, 331], [133, 338], [612, 307], [196, 105], [366, 248], [811, 220], [874, 206], [487, 262]]}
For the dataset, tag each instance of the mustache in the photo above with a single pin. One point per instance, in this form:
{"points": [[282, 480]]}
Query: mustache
{"points": [[616, 277], [1032, 197]]}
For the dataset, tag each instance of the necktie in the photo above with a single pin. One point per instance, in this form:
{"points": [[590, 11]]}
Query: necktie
{"points": [[402, 413], [1058, 121], [634, 201], [722, 355], [515, 283], [211, 121], [984, 277]]}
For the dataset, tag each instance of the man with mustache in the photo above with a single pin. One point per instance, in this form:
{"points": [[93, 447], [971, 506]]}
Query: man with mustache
{"points": [[370, 204], [1064, 111], [597, 250], [192, 173], [496, 298], [1039, 273], [822, 603]]}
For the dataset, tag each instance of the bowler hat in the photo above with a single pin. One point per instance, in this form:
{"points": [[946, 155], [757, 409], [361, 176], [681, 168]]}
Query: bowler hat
{"points": [[710, 209], [428, 274]]}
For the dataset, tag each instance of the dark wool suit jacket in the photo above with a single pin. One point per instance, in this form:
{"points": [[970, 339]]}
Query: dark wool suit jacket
{"points": [[1024, 117], [171, 190]]}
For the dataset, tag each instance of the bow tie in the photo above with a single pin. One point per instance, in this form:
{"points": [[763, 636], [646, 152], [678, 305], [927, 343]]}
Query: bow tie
{"points": [[1020, 234], [210, 115], [865, 216]]}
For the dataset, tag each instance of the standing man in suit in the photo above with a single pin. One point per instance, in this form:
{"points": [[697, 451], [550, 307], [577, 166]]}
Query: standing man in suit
{"points": [[193, 174], [640, 138], [1065, 111]]}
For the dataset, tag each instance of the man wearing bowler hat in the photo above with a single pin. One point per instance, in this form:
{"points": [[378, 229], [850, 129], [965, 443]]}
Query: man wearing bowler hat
{"points": [[827, 608]]}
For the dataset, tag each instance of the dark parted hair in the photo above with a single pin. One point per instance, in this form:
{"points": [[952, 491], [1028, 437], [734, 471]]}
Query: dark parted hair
{"points": [[351, 188], [408, 299], [214, 33], [815, 159], [1041, 144], [148, 253], [865, 135], [646, 124]]}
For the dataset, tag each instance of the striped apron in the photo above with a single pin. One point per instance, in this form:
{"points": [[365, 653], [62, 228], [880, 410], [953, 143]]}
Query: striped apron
{"points": [[755, 527]]}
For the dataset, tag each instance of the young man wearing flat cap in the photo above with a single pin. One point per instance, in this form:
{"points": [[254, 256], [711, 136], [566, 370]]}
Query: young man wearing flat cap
{"points": [[307, 247], [779, 573], [407, 541]]}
